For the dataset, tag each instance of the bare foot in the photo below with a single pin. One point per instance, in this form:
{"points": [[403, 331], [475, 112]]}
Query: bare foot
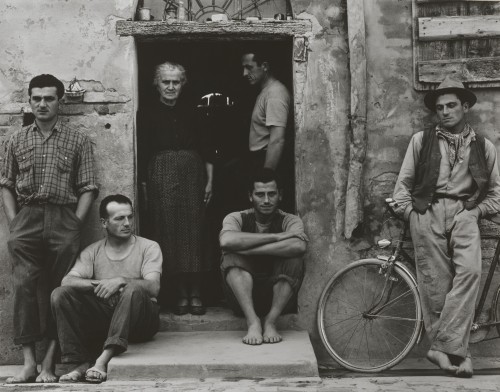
{"points": [[46, 376], [271, 335], [254, 334], [26, 375], [441, 360], [465, 368], [76, 375]]}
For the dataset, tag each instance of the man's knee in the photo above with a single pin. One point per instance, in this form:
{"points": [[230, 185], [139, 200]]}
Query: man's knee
{"points": [[59, 296], [472, 272], [291, 271], [134, 290], [236, 274]]}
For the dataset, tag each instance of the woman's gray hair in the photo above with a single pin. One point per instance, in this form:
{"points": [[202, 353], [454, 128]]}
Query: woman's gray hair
{"points": [[169, 66]]}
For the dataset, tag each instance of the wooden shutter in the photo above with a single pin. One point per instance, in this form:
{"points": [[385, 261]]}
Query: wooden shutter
{"points": [[456, 37]]}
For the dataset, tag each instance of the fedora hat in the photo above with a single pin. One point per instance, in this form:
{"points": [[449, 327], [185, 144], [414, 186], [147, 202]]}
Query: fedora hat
{"points": [[449, 86]]}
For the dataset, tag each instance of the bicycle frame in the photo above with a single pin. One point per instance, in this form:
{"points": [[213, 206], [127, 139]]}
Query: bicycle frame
{"points": [[399, 252], [385, 297], [486, 288]]}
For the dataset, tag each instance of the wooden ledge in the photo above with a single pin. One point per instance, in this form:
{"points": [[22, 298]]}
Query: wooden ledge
{"points": [[274, 30]]}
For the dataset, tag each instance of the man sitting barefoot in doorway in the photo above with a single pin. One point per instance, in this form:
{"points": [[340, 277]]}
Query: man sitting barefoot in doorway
{"points": [[262, 262]]}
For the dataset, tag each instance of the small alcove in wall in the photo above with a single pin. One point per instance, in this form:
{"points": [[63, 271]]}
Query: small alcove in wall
{"points": [[223, 100]]}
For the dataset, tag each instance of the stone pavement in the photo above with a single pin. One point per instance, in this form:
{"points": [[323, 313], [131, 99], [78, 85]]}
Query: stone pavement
{"points": [[424, 379], [420, 383]]}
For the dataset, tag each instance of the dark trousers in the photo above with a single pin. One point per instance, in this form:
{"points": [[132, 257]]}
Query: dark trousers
{"points": [[83, 319], [42, 238], [266, 271]]}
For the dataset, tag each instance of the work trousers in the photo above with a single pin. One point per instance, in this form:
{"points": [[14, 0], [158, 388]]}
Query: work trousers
{"points": [[266, 271], [448, 259], [42, 238], [84, 320]]}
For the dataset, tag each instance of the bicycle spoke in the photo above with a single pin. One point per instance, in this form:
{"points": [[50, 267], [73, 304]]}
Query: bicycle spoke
{"points": [[385, 341], [394, 318], [356, 351], [347, 331], [394, 336], [342, 283], [394, 300], [408, 325], [376, 341], [364, 291], [367, 347], [350, 305], [350, 337], [341, 321]]}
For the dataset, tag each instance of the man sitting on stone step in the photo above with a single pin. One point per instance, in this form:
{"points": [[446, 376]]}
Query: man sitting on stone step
{"points": [[111, 291], [262, 263]]}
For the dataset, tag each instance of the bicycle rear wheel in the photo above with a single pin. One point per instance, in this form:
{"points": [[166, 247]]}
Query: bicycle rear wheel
{"points": [[355, 336]]}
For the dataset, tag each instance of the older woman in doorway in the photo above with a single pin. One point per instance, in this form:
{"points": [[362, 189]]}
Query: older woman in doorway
{"points": [[179, 185]]}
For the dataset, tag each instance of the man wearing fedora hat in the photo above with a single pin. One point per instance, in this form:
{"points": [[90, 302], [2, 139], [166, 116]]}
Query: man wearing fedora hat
{"points": [[448, 180]]}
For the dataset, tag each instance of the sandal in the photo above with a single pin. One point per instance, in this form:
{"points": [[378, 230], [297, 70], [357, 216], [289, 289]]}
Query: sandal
{"points": [[103, 376], [197, 310]]}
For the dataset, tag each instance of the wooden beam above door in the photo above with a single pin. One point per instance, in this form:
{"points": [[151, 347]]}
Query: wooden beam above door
{"points": [[270, 30]]}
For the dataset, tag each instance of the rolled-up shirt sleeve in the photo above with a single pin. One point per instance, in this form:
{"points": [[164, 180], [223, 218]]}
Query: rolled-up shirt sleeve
{"points": [[9, 167], [231, 222], [85, 176], [491, 203], [406, 178]]}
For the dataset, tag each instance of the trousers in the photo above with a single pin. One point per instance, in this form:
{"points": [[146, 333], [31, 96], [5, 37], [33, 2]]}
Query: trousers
{"points": [[42, 238], [266, 271], [83, 320], [447, 246]]}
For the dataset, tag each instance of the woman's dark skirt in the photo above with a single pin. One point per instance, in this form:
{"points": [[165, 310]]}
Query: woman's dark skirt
{"points": [[176, 187]]}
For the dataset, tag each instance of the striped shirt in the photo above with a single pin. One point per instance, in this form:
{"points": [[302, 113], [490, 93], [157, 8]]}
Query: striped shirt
{"points": [[55, 170]]}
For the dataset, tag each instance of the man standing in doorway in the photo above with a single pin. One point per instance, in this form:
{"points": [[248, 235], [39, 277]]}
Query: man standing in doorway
{"points": [[262, 264], [48, 186], [270, 113], [448, 181]]}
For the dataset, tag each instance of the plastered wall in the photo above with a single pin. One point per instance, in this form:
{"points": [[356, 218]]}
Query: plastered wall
{"points": [[68, 39], [77, 38]]}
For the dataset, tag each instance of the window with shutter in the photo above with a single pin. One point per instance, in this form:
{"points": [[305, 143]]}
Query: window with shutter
{"points": [[461, 38]]}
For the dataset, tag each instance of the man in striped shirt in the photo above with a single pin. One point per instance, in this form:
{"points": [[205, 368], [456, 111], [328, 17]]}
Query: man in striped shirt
{"points": [[48, 185]]}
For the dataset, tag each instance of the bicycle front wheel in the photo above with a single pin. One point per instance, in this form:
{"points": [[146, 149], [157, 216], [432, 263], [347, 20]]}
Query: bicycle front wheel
{"points": [[369, 321]]}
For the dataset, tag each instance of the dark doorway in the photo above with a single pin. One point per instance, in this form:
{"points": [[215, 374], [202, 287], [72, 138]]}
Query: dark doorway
{"points": [[214, 67]]}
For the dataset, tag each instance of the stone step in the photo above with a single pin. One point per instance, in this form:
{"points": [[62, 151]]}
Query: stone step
{"points": [[216, 319], [206, 354]]}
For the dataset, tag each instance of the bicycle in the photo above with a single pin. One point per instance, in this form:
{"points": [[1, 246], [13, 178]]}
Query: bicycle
{"points": [[369, 314]]}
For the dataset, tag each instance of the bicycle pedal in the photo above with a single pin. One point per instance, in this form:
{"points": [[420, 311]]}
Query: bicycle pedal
{"points": [[393, 278]]}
